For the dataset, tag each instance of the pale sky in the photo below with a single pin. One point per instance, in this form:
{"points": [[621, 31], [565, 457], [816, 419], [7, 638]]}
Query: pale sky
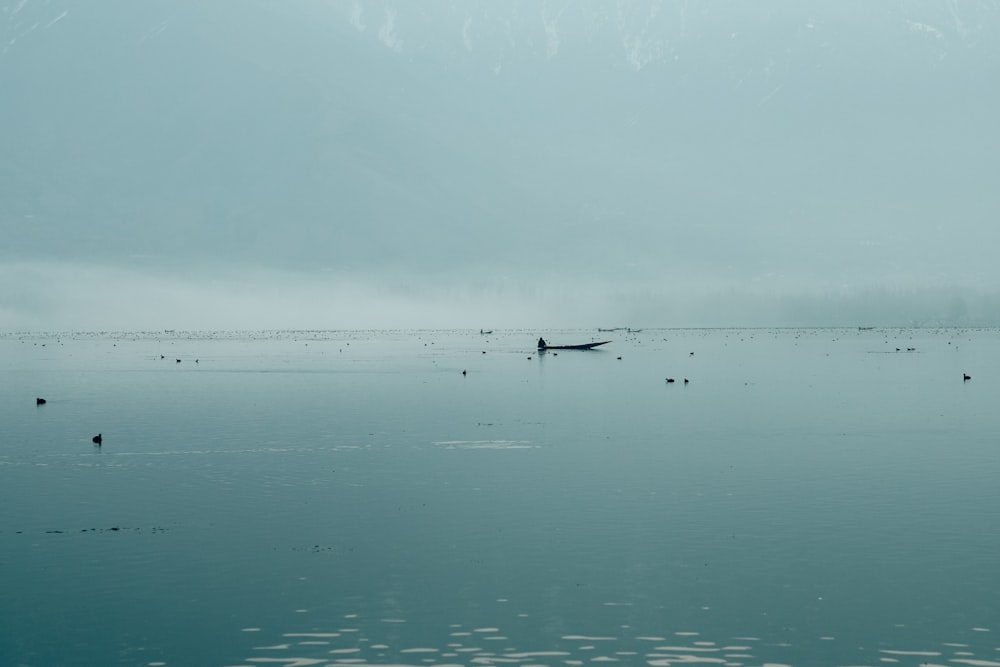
{"points": [[249, 164]]}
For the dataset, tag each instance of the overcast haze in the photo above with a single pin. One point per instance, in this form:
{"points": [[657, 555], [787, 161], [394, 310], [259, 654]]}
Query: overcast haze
{"points": [[247, 164]]}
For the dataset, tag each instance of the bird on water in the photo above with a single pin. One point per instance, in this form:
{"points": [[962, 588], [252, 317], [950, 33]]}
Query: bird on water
{"points": [[97, 439], [966, 377], [39, 401]]}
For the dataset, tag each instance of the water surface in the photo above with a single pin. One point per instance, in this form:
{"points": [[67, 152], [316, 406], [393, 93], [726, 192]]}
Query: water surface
{"points": [[809, 497]]}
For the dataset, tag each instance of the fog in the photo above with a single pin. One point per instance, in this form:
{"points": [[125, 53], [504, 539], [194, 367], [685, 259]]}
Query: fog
{"points": [[249, 164]]}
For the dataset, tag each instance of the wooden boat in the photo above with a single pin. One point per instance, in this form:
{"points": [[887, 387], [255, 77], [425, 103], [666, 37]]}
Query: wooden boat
{"points": [[582, 346]]}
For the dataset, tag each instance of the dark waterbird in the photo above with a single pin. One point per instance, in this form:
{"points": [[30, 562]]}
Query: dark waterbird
{"points": [[97, 439], [966, 377], [39, 401]]}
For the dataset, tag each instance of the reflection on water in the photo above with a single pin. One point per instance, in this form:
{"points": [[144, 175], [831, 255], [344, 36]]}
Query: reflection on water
{"points": [[457, 644], [810, 497]]}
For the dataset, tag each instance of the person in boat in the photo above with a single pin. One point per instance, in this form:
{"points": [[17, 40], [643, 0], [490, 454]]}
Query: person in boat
{"points": [[541, 343]]}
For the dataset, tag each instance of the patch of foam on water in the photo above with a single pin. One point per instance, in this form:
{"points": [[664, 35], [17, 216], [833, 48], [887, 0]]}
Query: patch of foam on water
{"points": [[485, 444]]}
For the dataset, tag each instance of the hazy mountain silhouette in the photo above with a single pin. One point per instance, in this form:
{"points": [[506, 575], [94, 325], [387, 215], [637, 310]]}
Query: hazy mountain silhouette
{"points": [[785, 141]]}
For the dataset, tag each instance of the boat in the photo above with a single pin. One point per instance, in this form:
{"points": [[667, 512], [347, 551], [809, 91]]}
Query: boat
{"points": [[542, 345]]}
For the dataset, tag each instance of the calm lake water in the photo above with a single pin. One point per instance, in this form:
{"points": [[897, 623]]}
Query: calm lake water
{"points": [[810, 497]]}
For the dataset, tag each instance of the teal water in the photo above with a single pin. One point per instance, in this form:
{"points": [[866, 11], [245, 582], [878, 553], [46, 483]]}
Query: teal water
{"points": [[810, 497]]}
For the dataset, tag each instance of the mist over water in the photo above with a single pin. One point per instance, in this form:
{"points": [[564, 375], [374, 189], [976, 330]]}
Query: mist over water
{"points": [[57, 297], [252, 244], [298, 217], [250, 165]]}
